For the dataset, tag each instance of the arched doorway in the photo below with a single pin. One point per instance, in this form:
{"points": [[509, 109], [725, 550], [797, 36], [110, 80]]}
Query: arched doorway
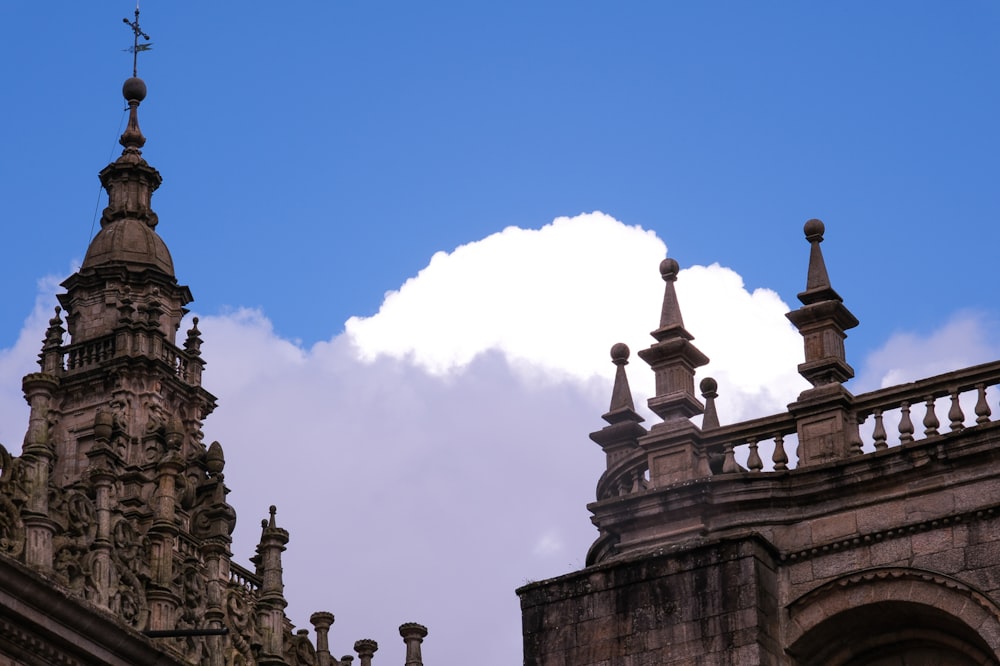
{"points": [[893, 617]]}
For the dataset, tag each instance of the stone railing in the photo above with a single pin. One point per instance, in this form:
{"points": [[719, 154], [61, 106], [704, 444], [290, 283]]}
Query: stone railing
{"points": [[887, 417], [926, 408], [764, 444], [244, 578], [894, 416], [84, 355], [630, 475]]}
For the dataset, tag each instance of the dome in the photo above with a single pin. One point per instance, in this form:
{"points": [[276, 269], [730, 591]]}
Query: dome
{"points": [[132, 242]]}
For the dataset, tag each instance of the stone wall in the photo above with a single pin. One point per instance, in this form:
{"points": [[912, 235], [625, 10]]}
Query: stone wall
{"points": [[712, 603]]}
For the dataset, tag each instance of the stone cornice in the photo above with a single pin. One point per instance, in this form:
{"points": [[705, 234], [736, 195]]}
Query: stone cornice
{"points": [[42, 618]]}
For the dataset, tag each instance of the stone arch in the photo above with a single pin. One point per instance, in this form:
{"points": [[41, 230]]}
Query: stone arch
{"points": [[893, 615]]}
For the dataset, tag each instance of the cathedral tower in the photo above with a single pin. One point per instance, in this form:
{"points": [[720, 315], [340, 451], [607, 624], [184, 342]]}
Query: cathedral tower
{"points": [[115, 532]]}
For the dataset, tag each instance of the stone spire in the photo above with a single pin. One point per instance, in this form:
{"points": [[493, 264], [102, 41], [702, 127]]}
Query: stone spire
{"points": [[673, 447], [127, 233], [826, 427], [822, 319], [673, 357], [620, 437]]}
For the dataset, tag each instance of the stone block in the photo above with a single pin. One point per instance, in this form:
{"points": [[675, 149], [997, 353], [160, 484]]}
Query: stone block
{"points": [[835, 563], [831, 528], [927, 507], [890, 551], [950, 561], [982, 555], [883, 515], [933, 541]]}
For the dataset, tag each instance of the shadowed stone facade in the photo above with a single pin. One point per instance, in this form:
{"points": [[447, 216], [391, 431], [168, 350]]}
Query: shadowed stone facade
{"points": [[876, 543], [114, 526]]}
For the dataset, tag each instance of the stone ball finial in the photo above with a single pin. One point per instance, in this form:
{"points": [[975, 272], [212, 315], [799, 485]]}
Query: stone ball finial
{"points": [[814, 229], [134, 88], [669, 269], [708, 385], [619, 353]]}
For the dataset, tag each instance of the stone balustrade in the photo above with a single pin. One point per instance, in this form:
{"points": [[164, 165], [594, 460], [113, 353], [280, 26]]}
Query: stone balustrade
{"points": [[631, 475], [89, 354], [926, 408], [889, 417], [244, 578]]}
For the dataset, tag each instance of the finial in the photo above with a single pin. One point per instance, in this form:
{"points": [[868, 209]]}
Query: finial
{"points": [[709, 391], [272, 510], [193, 342], [134, 89], [215, 459], [136, 46], [53, 336], [621, 394], [817, 280], [670, 315]]}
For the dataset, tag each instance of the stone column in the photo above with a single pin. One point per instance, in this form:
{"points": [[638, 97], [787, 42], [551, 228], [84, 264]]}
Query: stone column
{"points": [[39, 454], [321, 622], [365, 648], [163, 602], [413, 635]]}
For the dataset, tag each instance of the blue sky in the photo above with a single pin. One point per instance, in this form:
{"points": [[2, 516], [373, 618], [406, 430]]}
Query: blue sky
{"points": [[316, 156], [352, 140]]}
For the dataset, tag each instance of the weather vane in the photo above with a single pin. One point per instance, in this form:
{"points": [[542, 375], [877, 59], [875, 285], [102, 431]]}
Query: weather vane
{"points": [[136, 46]]}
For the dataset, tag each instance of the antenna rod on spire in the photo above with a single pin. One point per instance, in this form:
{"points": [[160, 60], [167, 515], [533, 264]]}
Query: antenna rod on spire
{"points": [[136, 47]]}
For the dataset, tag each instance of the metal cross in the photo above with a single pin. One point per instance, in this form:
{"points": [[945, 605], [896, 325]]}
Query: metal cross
{"points": [[136, 46]]}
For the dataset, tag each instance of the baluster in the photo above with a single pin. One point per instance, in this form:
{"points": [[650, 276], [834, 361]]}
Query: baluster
{"points": [[905, 424], [955, 414], [854, 436], [780, 458], [753, 460], [879, 433], [729, 463], [982, 407], [931, 422], [636, 481]]}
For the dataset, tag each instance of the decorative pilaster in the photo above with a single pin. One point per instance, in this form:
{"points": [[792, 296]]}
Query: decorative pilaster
{"points": [[413, 635], [162, 535], [271, 603], [215, 549], [673, 446], [101, 476], [826, 426], [38, 453]]}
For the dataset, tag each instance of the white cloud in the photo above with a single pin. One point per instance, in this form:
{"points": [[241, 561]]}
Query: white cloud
{"points": [[541, 297], [19, 360]]}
